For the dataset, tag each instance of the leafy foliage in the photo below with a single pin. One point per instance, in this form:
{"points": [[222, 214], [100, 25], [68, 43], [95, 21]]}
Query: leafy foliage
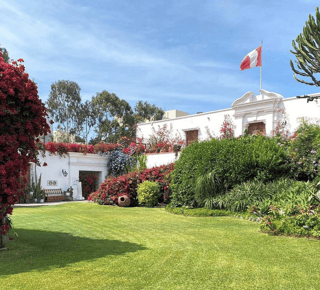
{"points": [[304, 150], [296, 212], [207, 186], [148, 193], [145, 111], [114, 117], [253, 192], [233, 160]]}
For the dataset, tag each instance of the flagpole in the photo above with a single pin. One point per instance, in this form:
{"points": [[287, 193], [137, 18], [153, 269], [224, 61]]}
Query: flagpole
{"points": [[261, 69]]}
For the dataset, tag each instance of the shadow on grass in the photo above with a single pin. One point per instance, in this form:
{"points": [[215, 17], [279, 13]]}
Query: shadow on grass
{"points": [[41, 250]]}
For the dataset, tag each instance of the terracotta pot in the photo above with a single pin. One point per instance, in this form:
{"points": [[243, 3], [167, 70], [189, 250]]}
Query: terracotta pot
{"points": [[124, 201]]}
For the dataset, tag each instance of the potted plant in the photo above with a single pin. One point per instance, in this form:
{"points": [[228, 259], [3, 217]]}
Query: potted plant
{"points": [[42, 196], [69, 193]]}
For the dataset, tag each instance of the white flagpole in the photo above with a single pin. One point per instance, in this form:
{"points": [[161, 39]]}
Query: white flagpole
{"points": [[261, 69]]}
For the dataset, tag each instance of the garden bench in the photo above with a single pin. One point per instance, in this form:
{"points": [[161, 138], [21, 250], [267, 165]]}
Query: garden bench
{"points": [[54, 195]]}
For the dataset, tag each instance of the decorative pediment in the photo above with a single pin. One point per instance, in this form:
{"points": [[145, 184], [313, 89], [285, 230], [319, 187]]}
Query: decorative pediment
{"points": [[266, 102], [246, 98]]}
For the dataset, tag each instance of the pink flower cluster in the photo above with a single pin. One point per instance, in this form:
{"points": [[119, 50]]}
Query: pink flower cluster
{"points": [[22, 119]]}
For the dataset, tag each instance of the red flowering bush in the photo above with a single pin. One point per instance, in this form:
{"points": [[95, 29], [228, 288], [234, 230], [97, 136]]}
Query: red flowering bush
{"points": [[63, 148], [88, 181], [227, 128], [163, 140], [105, 147], [114, 187], [125, 141], [134, 148], [22, 119]]}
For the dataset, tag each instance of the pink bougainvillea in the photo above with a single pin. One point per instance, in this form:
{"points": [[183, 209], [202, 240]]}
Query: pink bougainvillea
{"points": [[22, 119], [64, 148], [88, 182], [114, 187]]}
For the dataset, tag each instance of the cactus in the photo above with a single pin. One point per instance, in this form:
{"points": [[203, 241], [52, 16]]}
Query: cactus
{"points": [[307, 51]]}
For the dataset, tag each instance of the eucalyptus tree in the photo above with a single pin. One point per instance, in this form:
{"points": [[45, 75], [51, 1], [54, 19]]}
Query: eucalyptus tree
{"points": [[114, 117], [64, 104], [145, 111], [87, 120]]}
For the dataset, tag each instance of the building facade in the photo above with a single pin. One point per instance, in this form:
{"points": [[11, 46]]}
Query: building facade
{"points": [[255, 113]]}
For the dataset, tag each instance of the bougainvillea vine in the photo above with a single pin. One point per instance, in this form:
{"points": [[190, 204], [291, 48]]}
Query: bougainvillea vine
{"points": [[22, 120]]}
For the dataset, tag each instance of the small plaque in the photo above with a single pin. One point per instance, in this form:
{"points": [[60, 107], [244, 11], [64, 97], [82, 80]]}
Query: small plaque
{"points": [[52, 182]]}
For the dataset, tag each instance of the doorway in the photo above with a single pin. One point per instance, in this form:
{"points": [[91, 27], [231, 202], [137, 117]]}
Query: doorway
{"points": [[258, 127]]}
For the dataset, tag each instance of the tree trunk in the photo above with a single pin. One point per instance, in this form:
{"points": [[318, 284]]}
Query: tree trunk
{"points": [[3, 237]]}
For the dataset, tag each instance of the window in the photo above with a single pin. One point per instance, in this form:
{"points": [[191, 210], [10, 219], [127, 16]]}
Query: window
{"points": [[191, 136]]}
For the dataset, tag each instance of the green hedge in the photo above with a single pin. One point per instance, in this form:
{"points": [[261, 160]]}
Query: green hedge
{"points": [[232, 160]]}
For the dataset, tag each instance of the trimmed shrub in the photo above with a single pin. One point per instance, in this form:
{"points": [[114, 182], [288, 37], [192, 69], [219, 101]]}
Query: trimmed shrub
{"points": [[114, 187], [233, 161], [148, 193]]}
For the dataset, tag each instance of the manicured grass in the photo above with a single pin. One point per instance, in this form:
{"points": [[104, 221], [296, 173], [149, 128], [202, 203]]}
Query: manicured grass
{"points": [[87, 246], [198, 212]]}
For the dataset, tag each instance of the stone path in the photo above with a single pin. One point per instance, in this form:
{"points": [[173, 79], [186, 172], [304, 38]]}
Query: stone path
{"points": [[46, 203]]}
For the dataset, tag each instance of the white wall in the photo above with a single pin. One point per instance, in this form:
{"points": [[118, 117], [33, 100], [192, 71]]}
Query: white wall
{"points": [[297, 108], [155, 160], [211, 120], [73, 164], [245, 110]]}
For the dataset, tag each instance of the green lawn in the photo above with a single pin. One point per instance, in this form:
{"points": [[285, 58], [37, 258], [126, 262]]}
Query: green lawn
{"points": [[87, 246]]}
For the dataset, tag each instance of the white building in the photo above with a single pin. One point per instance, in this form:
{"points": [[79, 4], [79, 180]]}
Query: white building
{"points": [[63, 172], [255, 113]]}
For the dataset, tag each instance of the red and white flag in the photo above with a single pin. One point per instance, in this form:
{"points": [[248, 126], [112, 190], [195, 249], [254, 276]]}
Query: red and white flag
{"points": [[252, 59]]}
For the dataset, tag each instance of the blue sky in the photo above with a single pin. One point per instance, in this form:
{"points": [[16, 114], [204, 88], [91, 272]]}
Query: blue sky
{"points": [[177, 54]]}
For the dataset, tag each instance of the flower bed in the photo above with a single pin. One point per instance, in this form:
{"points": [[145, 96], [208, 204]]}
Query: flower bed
{"points": [[114, 187]]}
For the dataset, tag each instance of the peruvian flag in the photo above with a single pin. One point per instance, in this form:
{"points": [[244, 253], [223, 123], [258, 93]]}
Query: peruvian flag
{"points": [[252, 59]]}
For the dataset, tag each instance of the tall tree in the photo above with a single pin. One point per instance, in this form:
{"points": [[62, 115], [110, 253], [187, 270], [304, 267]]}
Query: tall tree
{"points": [[87, 120], [307, 52], [64, 104], [5, 54], [145, 111], [114, 117]]}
